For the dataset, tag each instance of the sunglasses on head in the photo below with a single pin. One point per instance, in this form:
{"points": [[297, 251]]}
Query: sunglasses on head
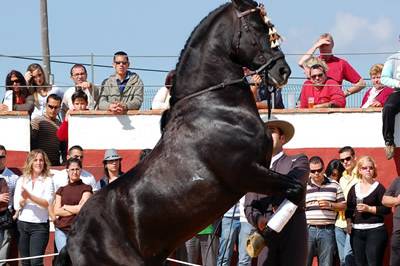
{"points": [[346, 159], [53, 106], [317, 171]]}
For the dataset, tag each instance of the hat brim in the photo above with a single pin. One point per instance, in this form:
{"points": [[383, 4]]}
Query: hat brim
{"points": [[112, 159], [286, 127]]}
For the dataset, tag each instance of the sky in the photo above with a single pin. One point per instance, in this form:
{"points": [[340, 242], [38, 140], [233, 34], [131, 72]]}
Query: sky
{"points": [[154, 32]]}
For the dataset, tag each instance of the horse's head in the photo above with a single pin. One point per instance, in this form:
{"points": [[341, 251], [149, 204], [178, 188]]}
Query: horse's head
{"points": [[256, 42]]}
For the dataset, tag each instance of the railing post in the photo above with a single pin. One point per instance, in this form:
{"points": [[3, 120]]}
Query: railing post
{"points": [[92, 66]]}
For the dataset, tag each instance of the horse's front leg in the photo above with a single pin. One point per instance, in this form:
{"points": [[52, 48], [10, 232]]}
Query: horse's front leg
{"points": [[265, 181]]}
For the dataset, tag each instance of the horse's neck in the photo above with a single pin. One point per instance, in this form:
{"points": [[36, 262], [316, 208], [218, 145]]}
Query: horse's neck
{"points": [[206, 73], [206, 61]]}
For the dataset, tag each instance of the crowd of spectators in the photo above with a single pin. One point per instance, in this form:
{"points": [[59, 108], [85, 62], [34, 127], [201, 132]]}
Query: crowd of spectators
{"points": [[41, 195], [343, 205]]}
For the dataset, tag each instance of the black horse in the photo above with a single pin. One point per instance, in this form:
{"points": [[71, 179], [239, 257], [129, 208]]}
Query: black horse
{"points": [[213, 149]]}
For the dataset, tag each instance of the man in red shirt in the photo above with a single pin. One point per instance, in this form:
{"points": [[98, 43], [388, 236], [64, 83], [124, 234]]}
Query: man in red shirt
{"points": [[338, 68], [319, 91]]}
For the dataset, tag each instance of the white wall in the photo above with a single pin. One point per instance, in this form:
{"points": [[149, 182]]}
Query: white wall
{"points": [[15, 132], [126, 132], [313, 130]]}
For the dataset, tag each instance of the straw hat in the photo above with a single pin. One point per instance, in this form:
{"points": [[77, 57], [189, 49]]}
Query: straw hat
{"points": [[286, 127]]}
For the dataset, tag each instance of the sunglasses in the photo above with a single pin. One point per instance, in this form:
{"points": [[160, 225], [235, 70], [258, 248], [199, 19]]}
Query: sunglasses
{"points": [[112, 161], [316, 171], [317, 76], [121, 62], [364, 168], [2, 156], [53, 107], [15, 81], [346, 159], [78, 157]]}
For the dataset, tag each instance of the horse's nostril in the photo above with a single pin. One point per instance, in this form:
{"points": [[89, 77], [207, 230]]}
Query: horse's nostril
{"points": [[285, 72]]}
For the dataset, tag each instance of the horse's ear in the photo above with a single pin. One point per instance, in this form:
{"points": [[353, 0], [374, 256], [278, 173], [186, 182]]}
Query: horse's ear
{"points": [[243, 5]]}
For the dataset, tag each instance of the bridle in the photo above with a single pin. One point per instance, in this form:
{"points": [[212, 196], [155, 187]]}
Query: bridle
{"points": [[264, 68]]}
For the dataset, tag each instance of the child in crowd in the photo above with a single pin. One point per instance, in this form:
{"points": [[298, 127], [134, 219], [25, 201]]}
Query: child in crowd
{"points": [[80, 102]]}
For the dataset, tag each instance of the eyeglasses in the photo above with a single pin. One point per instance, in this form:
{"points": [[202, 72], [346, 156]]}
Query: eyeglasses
{"points": [[15, 81], [317, 171], [53, 106], [121, 62], [79, 74], [370, 168], [320, 75], [79, 157], [346, 159], [2, 156]]}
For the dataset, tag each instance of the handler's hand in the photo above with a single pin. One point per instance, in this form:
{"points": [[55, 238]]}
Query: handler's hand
{"points": [[261, 223]]}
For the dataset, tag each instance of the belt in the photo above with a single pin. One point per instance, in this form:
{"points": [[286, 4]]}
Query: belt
{"points": [[322, 226]]}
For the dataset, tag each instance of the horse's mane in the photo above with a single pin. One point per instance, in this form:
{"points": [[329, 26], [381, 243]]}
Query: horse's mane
{"points": [[202, 26], [199, 31]]}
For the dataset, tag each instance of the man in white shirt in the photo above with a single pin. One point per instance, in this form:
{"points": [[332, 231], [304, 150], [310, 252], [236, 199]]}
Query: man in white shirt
{"points": [[79, 77], [6, 235], [60, 178]]}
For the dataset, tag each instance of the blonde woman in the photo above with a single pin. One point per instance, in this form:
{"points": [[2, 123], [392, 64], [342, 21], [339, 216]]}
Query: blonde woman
{"points": [[378, 94], [365, 215], [40, 88], [32, 198]]}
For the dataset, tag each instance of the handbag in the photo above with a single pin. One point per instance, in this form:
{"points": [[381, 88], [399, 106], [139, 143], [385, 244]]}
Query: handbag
{"points": [[6, 220]]}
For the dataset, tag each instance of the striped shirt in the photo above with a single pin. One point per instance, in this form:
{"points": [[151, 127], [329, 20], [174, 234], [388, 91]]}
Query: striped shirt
{"points": [[44, 136], [329, 190]]}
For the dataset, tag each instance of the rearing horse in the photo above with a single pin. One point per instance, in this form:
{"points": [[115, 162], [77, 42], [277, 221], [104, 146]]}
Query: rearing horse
{"points": [[213, 149]]}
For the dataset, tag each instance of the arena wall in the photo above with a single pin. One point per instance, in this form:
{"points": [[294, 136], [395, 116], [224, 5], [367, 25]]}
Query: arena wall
{"points": [[318, 132]]}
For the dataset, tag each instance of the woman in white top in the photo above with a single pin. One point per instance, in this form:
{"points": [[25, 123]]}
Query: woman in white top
{"points": [[40, 88], [33, 195], [161, 99]]}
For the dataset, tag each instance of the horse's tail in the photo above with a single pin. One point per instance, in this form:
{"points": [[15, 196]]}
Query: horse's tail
{"points": [[63, 258]]}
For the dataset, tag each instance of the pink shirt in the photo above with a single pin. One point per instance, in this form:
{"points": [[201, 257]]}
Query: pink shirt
{"points": [[331, 92], [339, 70]]}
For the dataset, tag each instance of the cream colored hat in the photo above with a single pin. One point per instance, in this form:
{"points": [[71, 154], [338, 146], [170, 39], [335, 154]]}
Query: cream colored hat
{"points": [[286, 127]]}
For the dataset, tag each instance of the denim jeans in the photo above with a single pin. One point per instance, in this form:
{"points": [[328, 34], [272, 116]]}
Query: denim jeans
{"points": [[60, 238], [346, 255], [321, 243], [395, 248], [33, 239], [6, 236], [227, 241], [201, 244], [369, 246]]}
